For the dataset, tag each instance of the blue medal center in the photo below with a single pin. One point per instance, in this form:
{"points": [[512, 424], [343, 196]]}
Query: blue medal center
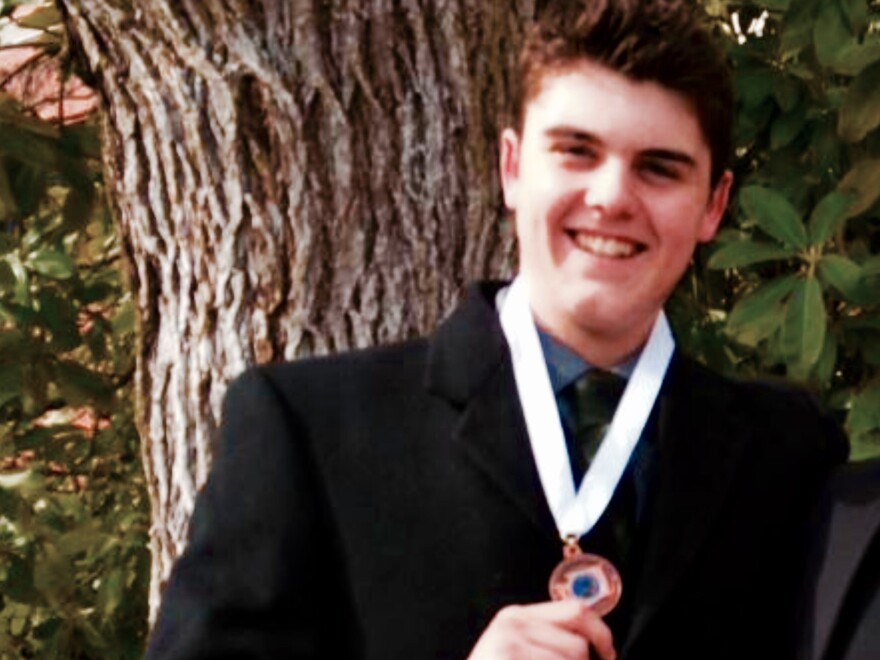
{"points": [[585, 586]]}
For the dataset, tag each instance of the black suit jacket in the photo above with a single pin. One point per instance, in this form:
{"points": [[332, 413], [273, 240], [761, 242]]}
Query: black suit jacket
{"points": [[841, 620], [385, 504]]}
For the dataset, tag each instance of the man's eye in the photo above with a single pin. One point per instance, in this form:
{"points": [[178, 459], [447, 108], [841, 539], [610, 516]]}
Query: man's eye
{"points": [[661, 170]]}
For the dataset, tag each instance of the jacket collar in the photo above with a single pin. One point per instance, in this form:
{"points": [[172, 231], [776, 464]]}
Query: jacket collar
{"points": [[468, 346]]}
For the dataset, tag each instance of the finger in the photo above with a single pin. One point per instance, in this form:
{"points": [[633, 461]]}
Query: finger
{"points": [[594, 629], [545, 622], [567, 613], [580, 618]]}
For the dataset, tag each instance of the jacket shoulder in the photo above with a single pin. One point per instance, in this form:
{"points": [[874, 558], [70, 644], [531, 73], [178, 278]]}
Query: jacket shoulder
{"points": [[781, 411], [402, 360]]}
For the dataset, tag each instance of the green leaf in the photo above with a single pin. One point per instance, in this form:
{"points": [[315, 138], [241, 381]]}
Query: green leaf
{"points": [[8, 203], [871, 266], [856, 13], [855, 57], [19, 585], [825, 147], [863, 180], [844, 275], [79, 385], [776, 5], [860, 113], [59, 316], [52, 263], [82, 538], [11, 342], [82, 143], [98, 292], [7, 277], [124, 320], [24, 145], [774, 214], [864, 415], [96, 644], [111, 591], [797, 29], [758, 315], [787, 127], [824, 369], [78, 208], [830, 33], [754, 86], [8, 243], [746, 253], [10, 382], [787, 92], [804, 326], [829, 214], [870, 349], [53, 576], [10, 507], [47, 628], [863, 424], [21, 293]]}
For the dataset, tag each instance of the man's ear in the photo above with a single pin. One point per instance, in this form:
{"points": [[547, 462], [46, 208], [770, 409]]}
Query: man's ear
{"points": [[716, 208], [510, 145]]}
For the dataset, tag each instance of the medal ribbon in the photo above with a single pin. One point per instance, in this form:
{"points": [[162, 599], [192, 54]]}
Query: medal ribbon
{"points": [[577, 513]]}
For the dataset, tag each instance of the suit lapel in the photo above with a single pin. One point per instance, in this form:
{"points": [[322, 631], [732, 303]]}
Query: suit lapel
{"points": [[469, 365], [698, 459], [493, 437]]}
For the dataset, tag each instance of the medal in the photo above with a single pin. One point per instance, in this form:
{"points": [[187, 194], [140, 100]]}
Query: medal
{"points": [[590, 578]]}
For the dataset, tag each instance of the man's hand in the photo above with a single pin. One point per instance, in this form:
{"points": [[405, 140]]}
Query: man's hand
{"points": [[566, 629]]}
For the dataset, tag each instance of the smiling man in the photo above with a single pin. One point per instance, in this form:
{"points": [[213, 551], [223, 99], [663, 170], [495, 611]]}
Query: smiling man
{"points": [[547, 476]]}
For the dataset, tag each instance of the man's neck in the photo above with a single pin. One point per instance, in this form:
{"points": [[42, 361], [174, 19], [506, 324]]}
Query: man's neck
{"points": [[604, 351], [564, 366]]}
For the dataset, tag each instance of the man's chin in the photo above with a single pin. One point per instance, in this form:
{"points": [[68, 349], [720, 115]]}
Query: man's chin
{"points": [[604, 317]]}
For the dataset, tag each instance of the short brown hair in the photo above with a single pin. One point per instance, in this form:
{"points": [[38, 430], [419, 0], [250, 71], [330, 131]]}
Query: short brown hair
{"points": [[664, 41]]}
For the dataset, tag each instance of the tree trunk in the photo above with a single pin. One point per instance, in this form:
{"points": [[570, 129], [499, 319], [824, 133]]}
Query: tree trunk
{"points": [[290, 178]]}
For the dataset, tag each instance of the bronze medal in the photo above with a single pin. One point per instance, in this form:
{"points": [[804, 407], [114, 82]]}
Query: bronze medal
{"points": [[587, 577]]}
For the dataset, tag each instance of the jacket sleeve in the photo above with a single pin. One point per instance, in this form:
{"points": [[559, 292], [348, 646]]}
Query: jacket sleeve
{"points": [[257, 579]]}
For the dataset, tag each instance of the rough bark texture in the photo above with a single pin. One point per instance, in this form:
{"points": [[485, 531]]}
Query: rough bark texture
{"points": [[290, 177]]}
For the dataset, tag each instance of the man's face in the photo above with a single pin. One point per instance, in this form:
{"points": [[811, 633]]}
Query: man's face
{"points": [[609, 182]]}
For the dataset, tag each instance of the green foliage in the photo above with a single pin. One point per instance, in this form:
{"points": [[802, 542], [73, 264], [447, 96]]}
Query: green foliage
{"points": [[74, 563], [792, 287]]}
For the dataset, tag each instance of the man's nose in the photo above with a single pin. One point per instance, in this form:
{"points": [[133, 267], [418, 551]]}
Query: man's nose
{"points": [[609, 189]]}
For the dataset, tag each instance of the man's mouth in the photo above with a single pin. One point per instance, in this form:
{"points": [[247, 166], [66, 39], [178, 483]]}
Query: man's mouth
{"points": [[605, 246]]}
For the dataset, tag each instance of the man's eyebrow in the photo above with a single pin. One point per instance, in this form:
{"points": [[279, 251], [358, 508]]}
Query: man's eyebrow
{"points": [[571, 132]]}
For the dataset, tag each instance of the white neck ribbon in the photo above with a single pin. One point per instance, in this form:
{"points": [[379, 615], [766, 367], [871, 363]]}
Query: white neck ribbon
{"points": [[577, 513]]}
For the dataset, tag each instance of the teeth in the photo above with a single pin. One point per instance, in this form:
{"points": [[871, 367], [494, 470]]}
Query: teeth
{"points": [[604, 247]]}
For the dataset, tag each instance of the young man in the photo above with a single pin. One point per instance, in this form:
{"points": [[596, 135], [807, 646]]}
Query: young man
{"points": [[414, 501]]}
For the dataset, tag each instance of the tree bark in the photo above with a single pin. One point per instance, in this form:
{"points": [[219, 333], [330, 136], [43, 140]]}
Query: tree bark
{"points": [[290, 178]]}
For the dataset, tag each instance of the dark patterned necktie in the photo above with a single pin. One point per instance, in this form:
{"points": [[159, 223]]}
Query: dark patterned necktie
{"points": [[591, 401]]}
